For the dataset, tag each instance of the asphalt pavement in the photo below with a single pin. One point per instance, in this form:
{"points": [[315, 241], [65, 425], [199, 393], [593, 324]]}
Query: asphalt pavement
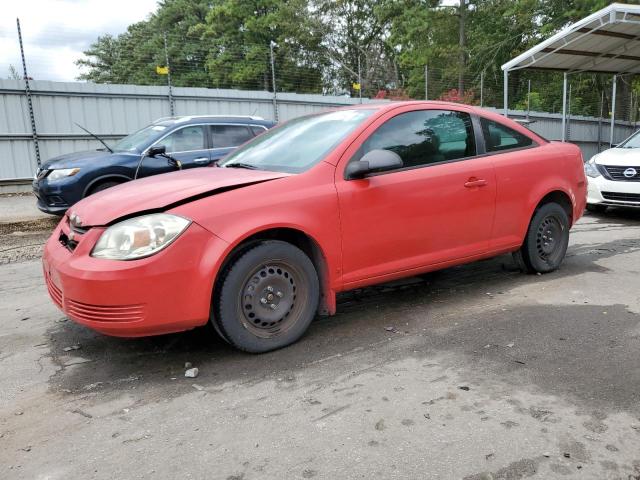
{"points": [[475, 372]]}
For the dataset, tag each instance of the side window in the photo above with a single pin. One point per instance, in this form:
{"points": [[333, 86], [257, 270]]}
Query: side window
{"points": [[225, 136], [185, 139], [424, 137], [498, 137]]}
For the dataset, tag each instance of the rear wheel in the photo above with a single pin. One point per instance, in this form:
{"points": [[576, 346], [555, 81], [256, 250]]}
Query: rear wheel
{"points": [[546, 242], [595, 208], [267, 298]]}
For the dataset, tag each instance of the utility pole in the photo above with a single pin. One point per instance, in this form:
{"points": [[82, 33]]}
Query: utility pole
{"points": [[166, 59], [359, 79], [426, 82], [481, 88], [27, 91], [462, 11], [273, 81], [600, 121], [569, 115], [529, 99]]}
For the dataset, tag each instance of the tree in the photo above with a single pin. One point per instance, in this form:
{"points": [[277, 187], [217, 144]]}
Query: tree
{"points": [[13, 73], [132, 57], [239, 34], [355, 40]]}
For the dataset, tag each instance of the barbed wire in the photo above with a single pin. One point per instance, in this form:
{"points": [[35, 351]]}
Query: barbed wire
{"points": [[209, 64]]}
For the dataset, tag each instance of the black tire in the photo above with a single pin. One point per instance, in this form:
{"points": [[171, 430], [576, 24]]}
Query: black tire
{"points": [[546, 241], [102, 186], [595, 208], [267, 297]]}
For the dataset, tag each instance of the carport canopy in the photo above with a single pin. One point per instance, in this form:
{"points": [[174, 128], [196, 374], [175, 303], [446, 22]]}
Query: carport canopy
{"points": [[607, 41]]}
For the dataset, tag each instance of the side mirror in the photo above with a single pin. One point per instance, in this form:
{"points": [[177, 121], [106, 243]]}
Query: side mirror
{"points": [[374, 161], [154, 151]]}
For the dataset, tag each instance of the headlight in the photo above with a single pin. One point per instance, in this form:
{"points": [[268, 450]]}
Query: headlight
{"points": [[62, 173], [139, 237], [591, 170]]}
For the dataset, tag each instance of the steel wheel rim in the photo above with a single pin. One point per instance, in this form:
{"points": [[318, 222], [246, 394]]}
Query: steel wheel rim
{"points": [[271, 298], [550, 239]]}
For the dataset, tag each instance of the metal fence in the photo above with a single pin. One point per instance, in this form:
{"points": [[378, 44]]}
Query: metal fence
{"points": [[113, 111]]}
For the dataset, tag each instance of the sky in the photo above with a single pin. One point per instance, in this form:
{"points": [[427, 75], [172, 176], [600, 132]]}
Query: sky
{"points": [[55, 32]]}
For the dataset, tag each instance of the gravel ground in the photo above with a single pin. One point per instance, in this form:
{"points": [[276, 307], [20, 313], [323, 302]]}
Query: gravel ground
{"points": [[20, 241], [476, 372]]}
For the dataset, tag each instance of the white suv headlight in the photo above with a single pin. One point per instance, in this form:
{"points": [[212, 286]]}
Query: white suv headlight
{"points": [[139, 237]]}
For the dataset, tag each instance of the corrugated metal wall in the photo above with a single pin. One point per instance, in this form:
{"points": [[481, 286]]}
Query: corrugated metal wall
{"points": [[113, 111], [590, 134]]}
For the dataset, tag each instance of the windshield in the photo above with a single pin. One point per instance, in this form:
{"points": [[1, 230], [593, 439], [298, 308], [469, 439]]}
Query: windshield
{"points": [[137, 142], [299, 144], [632, 142]]}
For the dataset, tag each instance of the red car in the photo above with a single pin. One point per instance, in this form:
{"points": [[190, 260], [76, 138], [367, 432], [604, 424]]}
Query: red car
{"points": [[322, 204]]}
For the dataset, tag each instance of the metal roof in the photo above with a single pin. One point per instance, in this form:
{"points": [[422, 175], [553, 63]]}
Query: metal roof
{"points": [[606, 41]]}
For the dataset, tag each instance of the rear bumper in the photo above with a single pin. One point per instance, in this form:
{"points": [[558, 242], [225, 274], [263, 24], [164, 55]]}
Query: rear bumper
{"points": [[602, 191], [167, 292]]}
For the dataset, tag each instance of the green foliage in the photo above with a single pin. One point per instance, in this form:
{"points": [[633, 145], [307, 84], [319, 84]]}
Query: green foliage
{"points": [[13, 73], [239, 33], [132, 57], [320, 46]]}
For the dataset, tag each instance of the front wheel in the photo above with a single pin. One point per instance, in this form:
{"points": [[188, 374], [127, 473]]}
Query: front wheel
{"points": [[102, 186], [546, 242], [267, 298]]}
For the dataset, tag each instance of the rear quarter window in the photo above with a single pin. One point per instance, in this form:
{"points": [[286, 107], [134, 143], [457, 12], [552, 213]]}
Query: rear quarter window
{"points": [[499, 138]]}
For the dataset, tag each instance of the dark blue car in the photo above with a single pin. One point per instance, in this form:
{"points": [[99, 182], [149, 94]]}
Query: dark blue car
{"points": [[193, 141]]}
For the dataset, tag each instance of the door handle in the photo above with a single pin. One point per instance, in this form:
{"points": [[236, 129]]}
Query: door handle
{"points": [[201, 160], [475, 182]]}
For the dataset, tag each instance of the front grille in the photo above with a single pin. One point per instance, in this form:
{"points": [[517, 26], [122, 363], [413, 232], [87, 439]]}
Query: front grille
{"points": [[54, 292], [104, 313], [70, 235], [616, 172], [621, 197]]}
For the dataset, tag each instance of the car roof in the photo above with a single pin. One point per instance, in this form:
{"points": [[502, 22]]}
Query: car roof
{"points": [[385, 106], [191, 119], [482, 112]]}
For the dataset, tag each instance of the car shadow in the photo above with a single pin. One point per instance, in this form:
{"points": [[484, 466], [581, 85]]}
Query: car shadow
{"points": [[618, 215], [366, 317]]}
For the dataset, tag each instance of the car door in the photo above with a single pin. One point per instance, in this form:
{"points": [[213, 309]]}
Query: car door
{"points": [[517, 162], [438, 207], [227, 137], [187, 144]]}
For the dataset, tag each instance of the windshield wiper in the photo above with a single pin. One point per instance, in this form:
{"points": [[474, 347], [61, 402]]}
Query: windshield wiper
{"points": [[248, 166], [96, 137]]}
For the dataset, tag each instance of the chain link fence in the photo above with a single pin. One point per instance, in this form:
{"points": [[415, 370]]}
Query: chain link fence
{"points": [[172, 63]]}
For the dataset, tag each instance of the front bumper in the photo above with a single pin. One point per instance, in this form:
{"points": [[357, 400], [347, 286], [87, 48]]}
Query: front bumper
{"points": [[52, 202], [613, 193], [167, 292]]}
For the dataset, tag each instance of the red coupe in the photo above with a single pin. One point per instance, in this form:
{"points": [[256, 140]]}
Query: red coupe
{"points": [[261, 244]]}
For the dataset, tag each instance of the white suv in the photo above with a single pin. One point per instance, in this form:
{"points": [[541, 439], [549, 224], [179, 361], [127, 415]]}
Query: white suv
{"points": [[614, 176]]}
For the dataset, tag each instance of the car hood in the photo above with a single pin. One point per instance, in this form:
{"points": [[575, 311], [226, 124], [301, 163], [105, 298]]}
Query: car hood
{"points": [[76, 160], [162, 192], [619, 156]]}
